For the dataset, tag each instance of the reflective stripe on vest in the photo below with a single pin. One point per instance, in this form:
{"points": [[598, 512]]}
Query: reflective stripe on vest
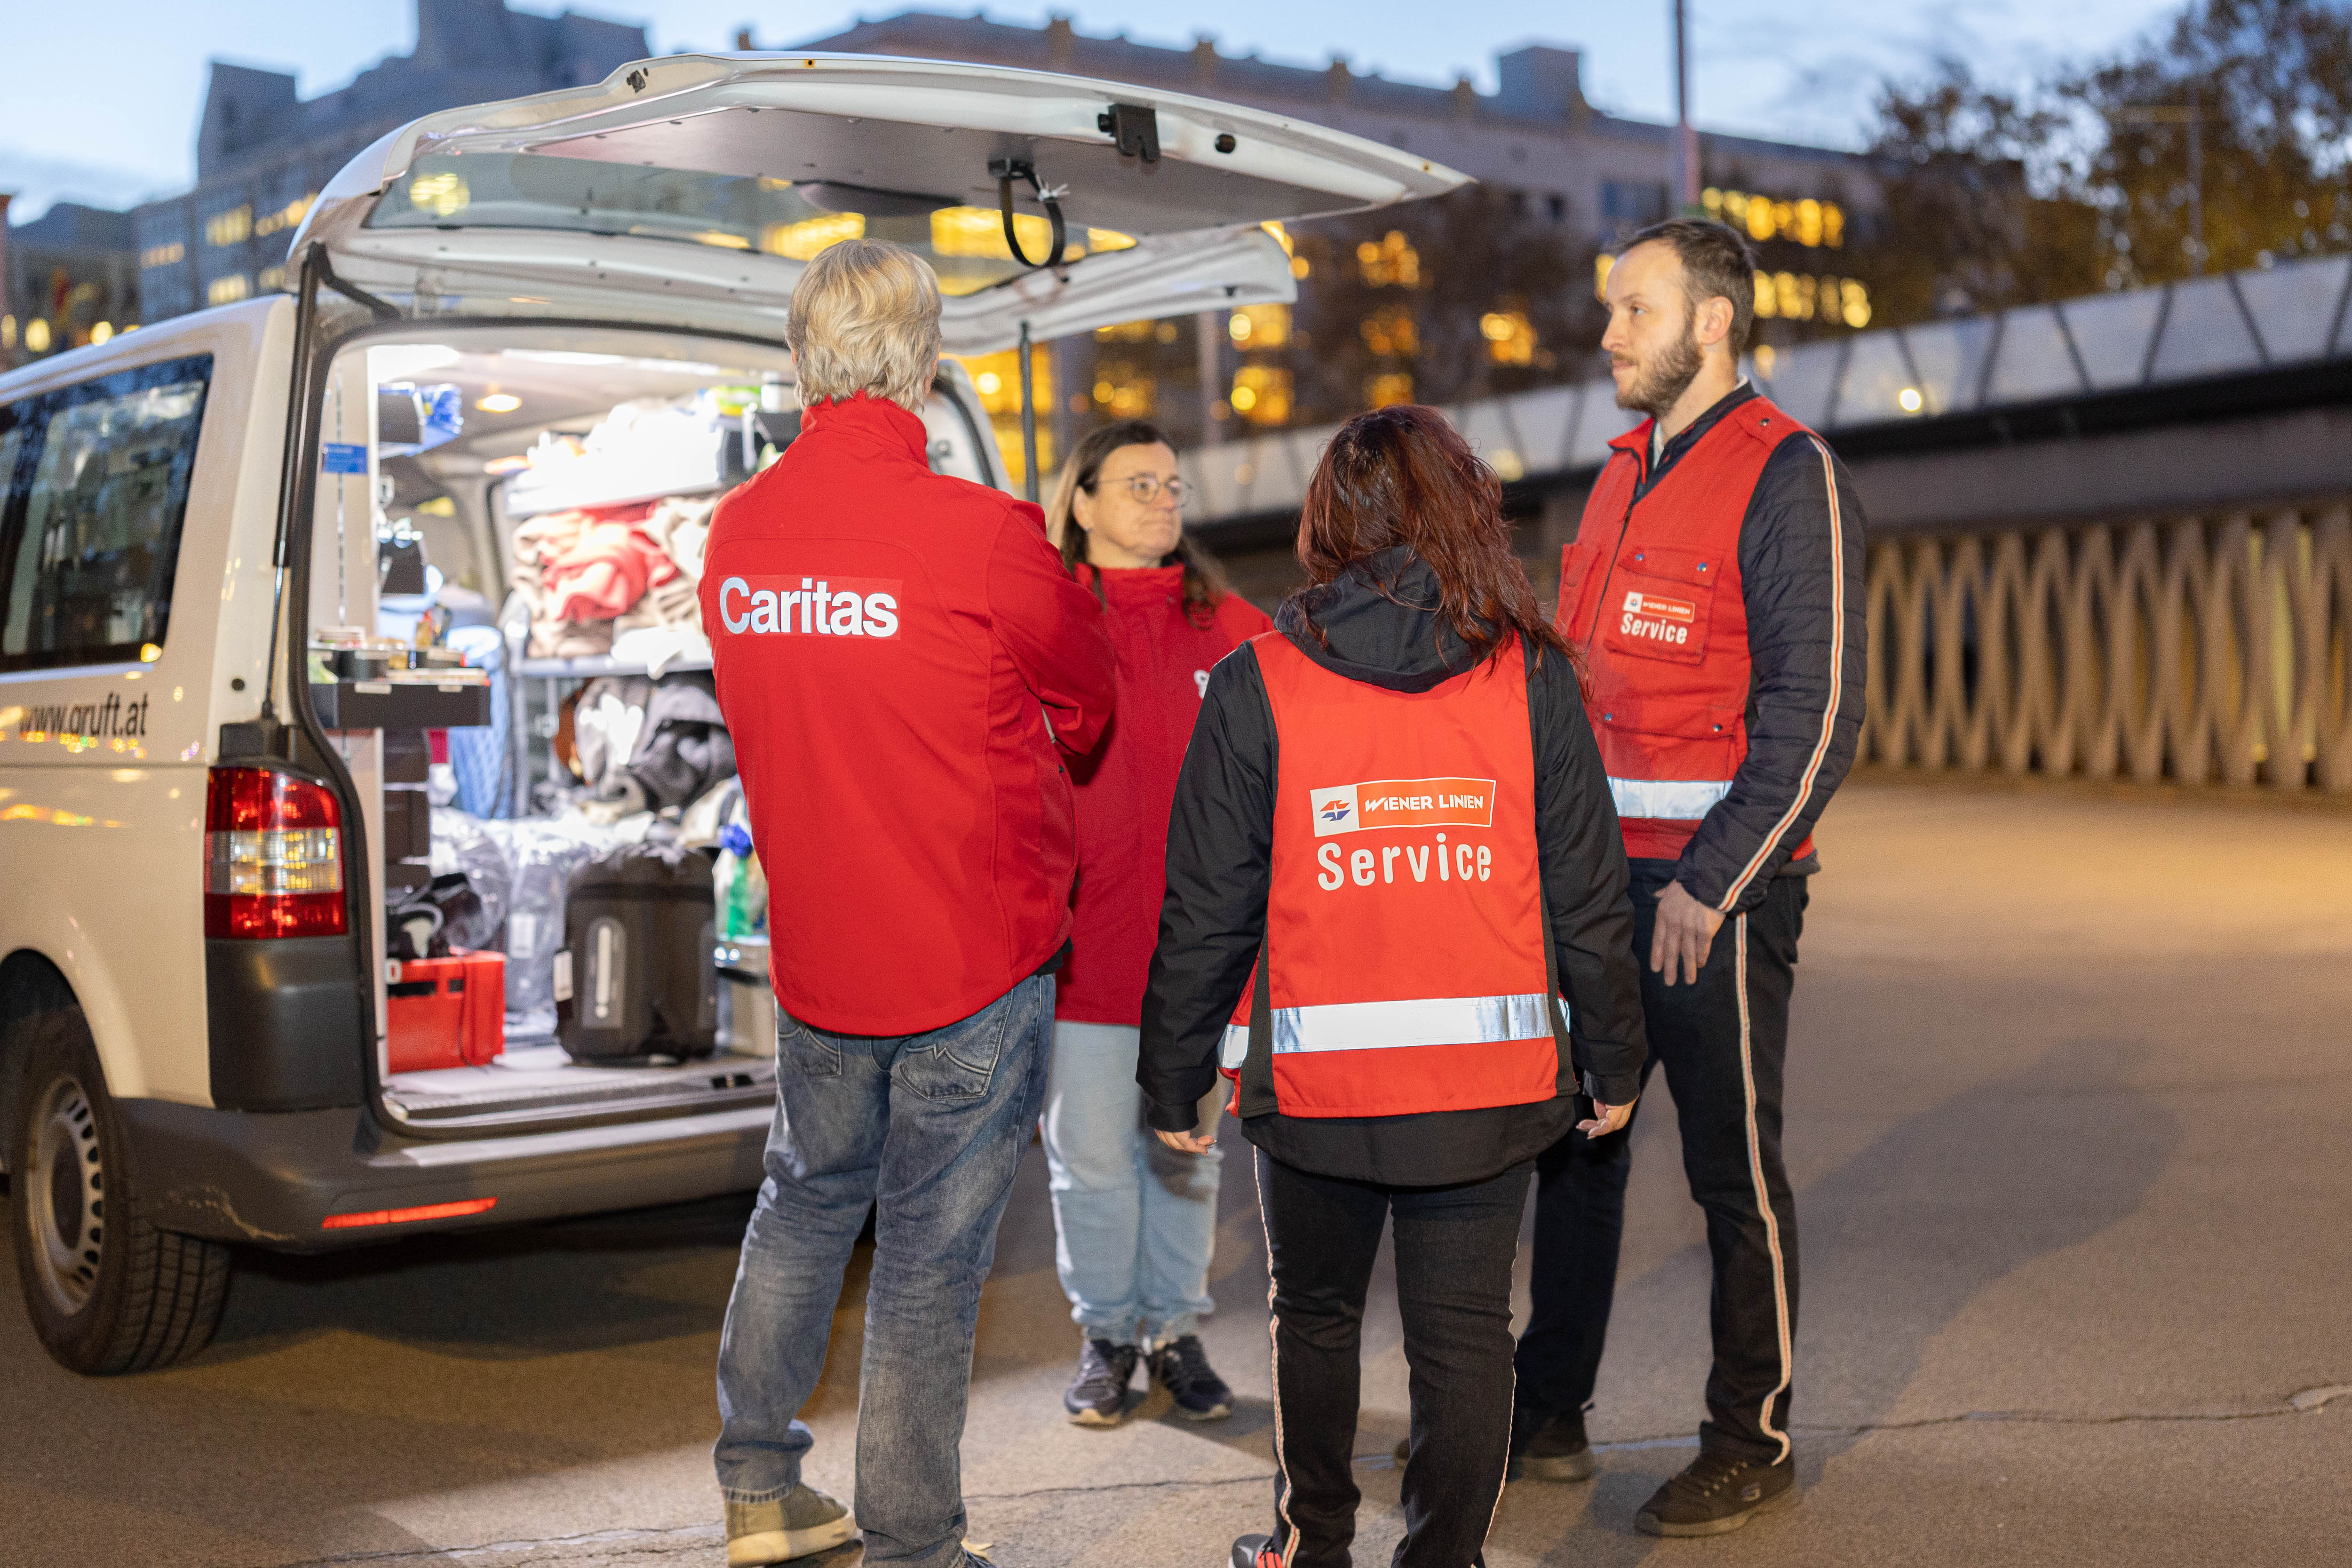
{"points": [[1230, 1055], [1675, 798], [1431, 1021]]}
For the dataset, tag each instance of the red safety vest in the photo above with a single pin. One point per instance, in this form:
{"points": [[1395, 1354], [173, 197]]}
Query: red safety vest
{"points": [[1650, 593], [1404, 962]]}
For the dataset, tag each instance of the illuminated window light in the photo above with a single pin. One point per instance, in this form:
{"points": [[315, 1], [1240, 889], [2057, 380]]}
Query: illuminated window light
{"points": [[443, 194], [458, 1210], [227, 290], [36, 336], [101, 333], [804, 241], [234, 227]]}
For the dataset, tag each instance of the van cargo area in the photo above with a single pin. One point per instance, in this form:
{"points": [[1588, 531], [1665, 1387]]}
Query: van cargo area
{"points": [[507, 653]]}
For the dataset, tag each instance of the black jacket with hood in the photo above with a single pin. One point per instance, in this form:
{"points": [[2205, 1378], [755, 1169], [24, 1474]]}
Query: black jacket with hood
{"points": [[1220, 866]]}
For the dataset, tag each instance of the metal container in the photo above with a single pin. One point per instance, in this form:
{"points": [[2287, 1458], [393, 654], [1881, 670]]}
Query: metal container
{"points": [[747, 1003]]}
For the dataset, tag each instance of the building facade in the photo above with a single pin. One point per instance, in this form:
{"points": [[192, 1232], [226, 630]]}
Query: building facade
{"points": [[1379, 318], [66, 278], [263, 154]]}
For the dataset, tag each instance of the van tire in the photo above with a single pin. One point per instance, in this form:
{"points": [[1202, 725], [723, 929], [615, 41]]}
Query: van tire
{"points": [[107, 1292]]}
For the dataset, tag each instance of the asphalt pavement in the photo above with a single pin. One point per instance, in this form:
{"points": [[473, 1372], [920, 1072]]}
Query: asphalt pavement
{"points": [[2070, 1120]]}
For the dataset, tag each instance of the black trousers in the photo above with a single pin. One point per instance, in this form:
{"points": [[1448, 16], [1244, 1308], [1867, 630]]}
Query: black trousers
{"points": [[1455, 1247], [1722, 1044]]}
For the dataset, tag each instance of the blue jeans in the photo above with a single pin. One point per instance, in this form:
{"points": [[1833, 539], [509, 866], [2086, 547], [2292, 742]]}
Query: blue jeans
{"points": [[929, 1127], [1134, 1221]]}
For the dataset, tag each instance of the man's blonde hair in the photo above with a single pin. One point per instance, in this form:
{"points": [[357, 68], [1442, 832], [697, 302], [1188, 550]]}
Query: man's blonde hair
{"points": [[864, 317]]}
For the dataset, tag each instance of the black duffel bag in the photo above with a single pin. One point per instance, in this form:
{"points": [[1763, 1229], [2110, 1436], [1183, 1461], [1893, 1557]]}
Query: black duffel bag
{"points": [[635, 982]]}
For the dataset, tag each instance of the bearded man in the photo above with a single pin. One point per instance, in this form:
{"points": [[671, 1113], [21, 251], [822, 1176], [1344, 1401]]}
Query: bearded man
{"points": [[1714, 590]]}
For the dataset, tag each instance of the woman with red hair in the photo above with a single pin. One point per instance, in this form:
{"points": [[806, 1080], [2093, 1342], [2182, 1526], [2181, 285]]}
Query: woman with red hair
{"points": [[1392, 845]]}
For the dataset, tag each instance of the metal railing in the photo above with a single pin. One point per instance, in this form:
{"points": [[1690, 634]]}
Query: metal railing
{"points": [[2196, 649]]}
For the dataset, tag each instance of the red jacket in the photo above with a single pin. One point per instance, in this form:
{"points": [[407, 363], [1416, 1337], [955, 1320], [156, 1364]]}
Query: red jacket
{"points": [[907, 797], [1126, 785]]}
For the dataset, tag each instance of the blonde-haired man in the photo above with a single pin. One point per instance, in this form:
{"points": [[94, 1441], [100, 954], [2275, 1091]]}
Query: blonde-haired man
{"points": [[902, 659]]}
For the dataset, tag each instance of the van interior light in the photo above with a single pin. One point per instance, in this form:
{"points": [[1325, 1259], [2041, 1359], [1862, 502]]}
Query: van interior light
{"points": [[1909, 400], [458, 1210], [499, 403]]}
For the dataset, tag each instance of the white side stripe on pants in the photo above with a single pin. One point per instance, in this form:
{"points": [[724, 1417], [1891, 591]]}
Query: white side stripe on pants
{"points": [[1763, 1197]]}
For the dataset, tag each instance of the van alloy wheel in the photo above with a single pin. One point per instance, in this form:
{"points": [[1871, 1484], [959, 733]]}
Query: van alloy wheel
{"points": [[68, 1177]]}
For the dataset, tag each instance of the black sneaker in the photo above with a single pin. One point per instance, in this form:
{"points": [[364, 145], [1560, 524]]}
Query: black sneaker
{"points": [[1552, 1450], [1181, 1367], [1098, 1395], [1255, 1552], [1717, 1493]]}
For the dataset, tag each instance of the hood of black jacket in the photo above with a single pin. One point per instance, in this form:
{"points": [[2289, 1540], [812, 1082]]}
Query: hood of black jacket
{"points": [[1379, 623]]}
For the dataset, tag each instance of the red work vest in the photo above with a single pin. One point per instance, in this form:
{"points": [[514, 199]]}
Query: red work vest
{"points": [[1650, 593], [1404, 960]]}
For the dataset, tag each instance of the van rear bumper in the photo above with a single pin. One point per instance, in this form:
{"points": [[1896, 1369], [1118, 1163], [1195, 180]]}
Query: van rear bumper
{"points": [[274, 1179]]}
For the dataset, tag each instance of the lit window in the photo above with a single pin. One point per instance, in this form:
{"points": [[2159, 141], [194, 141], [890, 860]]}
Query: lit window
{"points": [[1381, 391], [803, 240], [1262, 395], [1600, 265], [7, 331], [103, 332], [1768, 299], [1854, 300], [443, 194], [234, 227], [291, 215], [1510, 337], [1260, 326], [271, 279], [163, 255], [227, 290], [1391, 331], [36, 336], [1126, 332], [1389, 260]]}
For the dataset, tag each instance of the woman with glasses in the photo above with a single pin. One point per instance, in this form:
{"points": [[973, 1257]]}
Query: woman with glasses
{"points": [[1134, 1221]]}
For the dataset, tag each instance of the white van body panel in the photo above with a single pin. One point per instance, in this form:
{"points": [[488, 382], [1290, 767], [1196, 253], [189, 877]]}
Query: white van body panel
{"points": [[102, 767], [891, 125]]}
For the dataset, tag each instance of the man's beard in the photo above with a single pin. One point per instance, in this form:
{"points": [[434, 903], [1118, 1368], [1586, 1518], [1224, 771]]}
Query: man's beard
{"points": [[1661, 383]]}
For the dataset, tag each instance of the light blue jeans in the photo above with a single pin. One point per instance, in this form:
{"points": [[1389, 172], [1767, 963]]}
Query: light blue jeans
{"points": [[929, 1128], [1134, 1221]]}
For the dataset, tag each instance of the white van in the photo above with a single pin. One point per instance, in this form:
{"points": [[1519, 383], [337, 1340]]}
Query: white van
{"points": [[192, 823]]}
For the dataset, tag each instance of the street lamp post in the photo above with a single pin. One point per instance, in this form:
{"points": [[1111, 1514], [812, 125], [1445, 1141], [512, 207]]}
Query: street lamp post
{"points": [[1685, 134]]}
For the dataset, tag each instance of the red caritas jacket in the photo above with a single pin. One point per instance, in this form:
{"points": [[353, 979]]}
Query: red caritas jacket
{"points": [[1126, 785], [902, 661]]}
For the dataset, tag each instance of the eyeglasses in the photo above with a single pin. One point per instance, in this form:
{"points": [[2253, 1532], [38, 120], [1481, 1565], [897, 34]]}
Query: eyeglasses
{"points": [[1147, 488]]}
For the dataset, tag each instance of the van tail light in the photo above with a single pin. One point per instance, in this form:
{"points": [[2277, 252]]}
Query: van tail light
{"points": [[273, 855]]}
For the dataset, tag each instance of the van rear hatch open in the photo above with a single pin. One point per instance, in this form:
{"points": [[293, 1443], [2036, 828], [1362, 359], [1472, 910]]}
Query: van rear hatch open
{"points": [[692, 190]]}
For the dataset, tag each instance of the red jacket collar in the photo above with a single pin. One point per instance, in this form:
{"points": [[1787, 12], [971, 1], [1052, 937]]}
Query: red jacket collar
{"points": [[1637, 439], [878, 417]]}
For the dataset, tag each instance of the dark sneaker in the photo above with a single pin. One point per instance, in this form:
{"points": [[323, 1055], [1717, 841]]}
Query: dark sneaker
{"points": [[1181, 1367], [1717, 1493], [1098, 1395], [801, 1524], [1255, 1551], [1554, 1451]]}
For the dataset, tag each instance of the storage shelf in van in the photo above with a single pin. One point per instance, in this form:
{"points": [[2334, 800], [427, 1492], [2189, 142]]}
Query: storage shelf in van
{"points": [[400, 704], [446, 1096]]}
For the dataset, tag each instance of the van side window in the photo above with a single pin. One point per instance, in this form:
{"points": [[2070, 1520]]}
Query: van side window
{"points": [[93, 489]]}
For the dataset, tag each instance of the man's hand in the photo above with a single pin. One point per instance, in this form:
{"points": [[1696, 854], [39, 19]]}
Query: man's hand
{"points": [[1685, 931], [1187, 1142], [1606, 1119]]}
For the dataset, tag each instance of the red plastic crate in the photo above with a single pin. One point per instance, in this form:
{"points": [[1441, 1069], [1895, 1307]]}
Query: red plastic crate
{"points": [[445, 1012]]}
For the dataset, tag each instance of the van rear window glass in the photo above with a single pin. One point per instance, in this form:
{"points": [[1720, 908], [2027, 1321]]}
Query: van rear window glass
{"points": [[97, 487], [965, 245]]}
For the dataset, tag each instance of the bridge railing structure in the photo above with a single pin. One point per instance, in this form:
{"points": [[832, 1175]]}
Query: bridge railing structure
{"points": [[2210, 649], [2129, 638]]}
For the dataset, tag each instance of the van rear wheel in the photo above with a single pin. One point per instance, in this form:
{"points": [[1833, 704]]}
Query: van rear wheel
{"points": [[107, 1291]]}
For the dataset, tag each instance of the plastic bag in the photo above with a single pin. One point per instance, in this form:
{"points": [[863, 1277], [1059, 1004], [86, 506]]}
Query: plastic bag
{"points": [[468, 845], [543, 855]]}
